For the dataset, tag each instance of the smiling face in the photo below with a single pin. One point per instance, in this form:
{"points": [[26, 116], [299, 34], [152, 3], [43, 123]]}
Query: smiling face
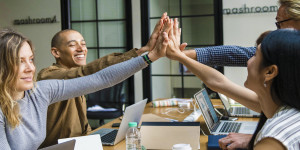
{"points": [[72, 50], [26, 68]]}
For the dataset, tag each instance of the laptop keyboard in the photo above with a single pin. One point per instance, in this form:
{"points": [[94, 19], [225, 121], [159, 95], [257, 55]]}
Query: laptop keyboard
{"points": [[241, 110], [230, 127], [109, 137]]}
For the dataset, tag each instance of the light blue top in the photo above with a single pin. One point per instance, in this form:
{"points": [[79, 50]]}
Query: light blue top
{"points": [[33, 107], [226, 55]]}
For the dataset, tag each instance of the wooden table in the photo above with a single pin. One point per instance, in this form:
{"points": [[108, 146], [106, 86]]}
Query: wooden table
{"points": [[180, 117]]}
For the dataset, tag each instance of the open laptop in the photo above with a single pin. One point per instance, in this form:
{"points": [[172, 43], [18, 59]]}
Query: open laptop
{"points": [[90, 142], [237, 111], [133, 113], [214, 124], [69, 145]]}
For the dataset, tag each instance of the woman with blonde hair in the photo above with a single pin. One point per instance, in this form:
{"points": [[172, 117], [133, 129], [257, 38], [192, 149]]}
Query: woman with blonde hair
{"points": [[24, 103]]}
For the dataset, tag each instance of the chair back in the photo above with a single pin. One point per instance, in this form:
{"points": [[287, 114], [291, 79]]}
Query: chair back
{"points": [[107, 98]]}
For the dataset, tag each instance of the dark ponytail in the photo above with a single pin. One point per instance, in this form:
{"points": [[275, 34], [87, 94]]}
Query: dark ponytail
{"points": [[260, 124]]}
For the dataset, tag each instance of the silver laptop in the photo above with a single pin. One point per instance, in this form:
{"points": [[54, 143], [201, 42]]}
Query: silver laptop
{"points": [[69, 145], [133, 113], [237, 111], [214, 124]]}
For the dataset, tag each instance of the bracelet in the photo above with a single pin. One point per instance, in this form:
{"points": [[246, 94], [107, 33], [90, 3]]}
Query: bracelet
{"points": [[147, 60]]}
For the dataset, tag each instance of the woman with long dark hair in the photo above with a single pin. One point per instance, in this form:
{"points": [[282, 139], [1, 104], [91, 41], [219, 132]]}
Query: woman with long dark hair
{"points": [[272, 87]]}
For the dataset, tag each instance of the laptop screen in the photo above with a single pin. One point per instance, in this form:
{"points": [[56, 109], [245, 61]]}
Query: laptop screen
{"points": [[206, 107], [224, 101]]}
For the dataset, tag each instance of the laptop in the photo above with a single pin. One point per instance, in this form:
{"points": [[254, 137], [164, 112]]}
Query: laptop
{"points": [[133, 113], [90, 142], [214, 124], [237, 111], [69, 145]]}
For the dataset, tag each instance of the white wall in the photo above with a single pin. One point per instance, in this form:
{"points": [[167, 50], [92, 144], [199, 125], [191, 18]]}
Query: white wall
{"points": [[243, 30], [40, 34]]}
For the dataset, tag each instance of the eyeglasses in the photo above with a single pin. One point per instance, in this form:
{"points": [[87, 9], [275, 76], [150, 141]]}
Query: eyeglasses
{"points": [[279, 22]]}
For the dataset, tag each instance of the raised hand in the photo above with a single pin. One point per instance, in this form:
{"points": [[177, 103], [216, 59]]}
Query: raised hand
{"points": [[160, 47], [177, 33], [174, 48], [155, 34]]}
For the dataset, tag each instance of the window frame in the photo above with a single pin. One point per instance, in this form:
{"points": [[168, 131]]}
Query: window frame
{"points": [[67, 24], [145, 16]]}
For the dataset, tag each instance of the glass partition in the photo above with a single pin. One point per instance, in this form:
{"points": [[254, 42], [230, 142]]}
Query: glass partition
{"points": [[112, 34], [83, 9], [197, 18], [106, 28], [87, 29]]}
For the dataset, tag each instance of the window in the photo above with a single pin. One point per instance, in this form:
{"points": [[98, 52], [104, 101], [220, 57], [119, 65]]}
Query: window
{"points": [[201, 23], [106, 27]]}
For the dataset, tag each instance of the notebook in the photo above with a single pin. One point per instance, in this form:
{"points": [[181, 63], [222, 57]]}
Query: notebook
{"points": [[214, 124], [133, 113], [213, 142], [163, 135], [237, 111]]}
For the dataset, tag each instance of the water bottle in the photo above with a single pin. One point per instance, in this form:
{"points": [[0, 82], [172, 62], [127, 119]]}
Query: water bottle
{"points": [[133, 137]]}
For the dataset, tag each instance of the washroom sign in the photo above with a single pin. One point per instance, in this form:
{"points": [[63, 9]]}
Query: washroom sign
{"points": [[30, 20]]}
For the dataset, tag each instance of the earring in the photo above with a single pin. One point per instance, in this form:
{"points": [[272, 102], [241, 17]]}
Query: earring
{"points": [[265, 84]]}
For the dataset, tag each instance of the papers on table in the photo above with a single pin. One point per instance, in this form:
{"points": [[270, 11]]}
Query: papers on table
{"points": [[181, 99]]}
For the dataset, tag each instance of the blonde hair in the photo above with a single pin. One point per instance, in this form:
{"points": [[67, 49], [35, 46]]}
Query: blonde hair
{"points": [[10, 44], [292, 8]]}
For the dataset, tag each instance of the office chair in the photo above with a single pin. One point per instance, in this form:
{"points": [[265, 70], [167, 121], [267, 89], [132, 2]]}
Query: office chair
{"points": [[106, 98]]}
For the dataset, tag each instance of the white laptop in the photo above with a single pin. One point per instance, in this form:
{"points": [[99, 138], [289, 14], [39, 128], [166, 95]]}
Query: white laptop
{"points": [[69, 145], [214, 124], [133, 113], [90, 142], [237, 111]]}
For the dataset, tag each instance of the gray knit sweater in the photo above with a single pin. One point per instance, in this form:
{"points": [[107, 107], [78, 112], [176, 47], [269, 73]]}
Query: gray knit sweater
{"points": [[33, 107]]}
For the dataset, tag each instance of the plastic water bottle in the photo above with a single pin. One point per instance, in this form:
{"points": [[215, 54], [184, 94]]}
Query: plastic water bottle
{"points": [[133, 137]]}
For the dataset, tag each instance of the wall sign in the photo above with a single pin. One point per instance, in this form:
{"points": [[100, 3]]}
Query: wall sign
{"points": [[35, 20], [246, 10]]}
